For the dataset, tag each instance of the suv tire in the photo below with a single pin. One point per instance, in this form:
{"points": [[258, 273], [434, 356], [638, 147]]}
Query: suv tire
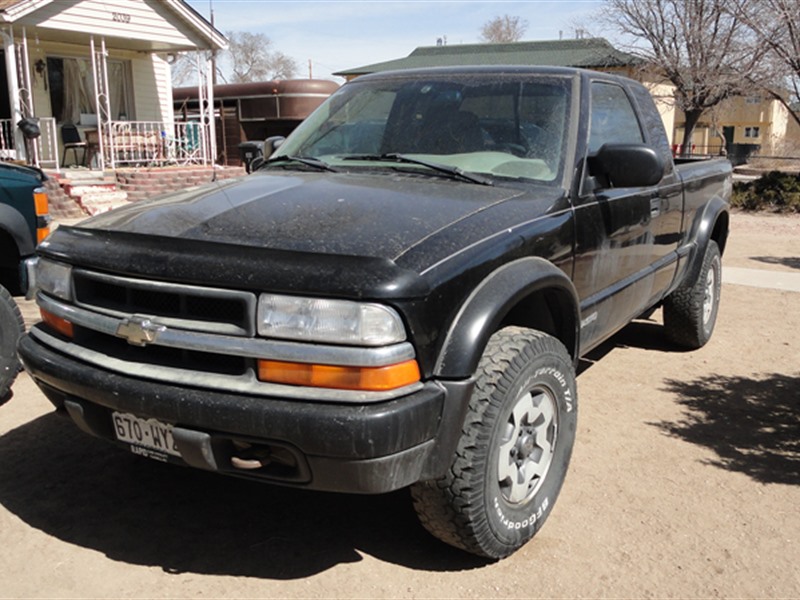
{"points": [[11, 328], [514, 449]]}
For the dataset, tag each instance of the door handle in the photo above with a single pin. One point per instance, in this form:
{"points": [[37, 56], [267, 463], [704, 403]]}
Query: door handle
{"points": [[655, 207]]}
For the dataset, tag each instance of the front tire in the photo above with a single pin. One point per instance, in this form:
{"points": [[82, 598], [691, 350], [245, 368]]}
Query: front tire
{"points": [[690, 312], [11, 328], [514, 450]]}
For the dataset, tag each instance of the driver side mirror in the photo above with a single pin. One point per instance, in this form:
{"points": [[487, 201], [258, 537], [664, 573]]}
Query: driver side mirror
{"points": [[626, 165], [271, 144]]}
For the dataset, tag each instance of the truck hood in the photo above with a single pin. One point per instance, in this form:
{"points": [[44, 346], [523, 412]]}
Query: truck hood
{"points": [[375, 215]]}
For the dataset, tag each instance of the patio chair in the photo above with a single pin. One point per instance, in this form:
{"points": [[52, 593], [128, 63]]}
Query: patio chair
{"points": [[189, 150], [71, 138]]}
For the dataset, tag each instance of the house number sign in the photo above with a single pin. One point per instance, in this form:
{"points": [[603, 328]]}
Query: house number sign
{"points": [[118, 17]]}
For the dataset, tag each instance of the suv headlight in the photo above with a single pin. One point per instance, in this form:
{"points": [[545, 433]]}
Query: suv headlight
{"points": [[329, 321], [54, 278]]}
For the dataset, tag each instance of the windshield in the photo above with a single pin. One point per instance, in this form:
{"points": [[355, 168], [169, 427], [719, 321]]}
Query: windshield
{"points": [[500, 125]]}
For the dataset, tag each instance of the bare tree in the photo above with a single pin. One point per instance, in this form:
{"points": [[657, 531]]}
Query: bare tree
{"points": [[184, 69], [503, 29], [776, 25], [251, 58], [704, 50]]}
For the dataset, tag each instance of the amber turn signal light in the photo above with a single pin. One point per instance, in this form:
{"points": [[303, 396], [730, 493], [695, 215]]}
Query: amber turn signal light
{"points": [[42, 207], [370, 379], [62, 326]]}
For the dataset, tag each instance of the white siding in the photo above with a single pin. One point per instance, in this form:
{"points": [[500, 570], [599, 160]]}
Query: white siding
{"points": [[163, 78], [146, 90], [146, 20]]}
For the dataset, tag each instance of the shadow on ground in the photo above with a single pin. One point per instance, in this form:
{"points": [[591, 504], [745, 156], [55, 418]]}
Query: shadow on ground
{"points": [[753, 425], [786, 261], [644, 334], [86, 492]]}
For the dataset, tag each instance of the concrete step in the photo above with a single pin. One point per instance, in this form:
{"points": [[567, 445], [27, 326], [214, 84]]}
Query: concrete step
{"points": [[84, 174], [99, 202], [95, 188]]}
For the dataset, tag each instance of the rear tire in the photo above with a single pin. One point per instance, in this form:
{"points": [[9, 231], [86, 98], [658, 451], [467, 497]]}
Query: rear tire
{"points": [[11, 328], [690, 312], [514, 450]]}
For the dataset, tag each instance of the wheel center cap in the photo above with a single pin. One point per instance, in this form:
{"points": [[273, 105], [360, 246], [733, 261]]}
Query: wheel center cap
{"points": [[525, 446]]}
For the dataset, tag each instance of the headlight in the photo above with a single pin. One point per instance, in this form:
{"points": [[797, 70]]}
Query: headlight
{"points": [[54, 278], [331, 321]]}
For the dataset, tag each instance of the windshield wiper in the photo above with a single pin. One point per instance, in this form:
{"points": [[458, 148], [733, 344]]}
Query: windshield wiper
{"points": [[395, 157], [306, 160]]}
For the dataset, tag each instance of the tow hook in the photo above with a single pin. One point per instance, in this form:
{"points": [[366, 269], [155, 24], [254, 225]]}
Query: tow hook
{"points": [[248, 457]]}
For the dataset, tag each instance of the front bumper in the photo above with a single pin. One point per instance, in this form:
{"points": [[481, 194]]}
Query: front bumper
{"points": [[362, 448]]}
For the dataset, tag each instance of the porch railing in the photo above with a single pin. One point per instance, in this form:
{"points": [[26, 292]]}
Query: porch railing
{"points": [[154, 143], [47, 143], [124, 144], [7, 145], [41, 151]]}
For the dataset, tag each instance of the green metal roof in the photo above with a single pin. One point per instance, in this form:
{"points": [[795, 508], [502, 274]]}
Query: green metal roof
{"points": [[585, 53]]}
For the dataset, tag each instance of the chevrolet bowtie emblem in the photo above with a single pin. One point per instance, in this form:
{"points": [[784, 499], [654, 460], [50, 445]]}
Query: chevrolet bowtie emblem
{"points": [[139, 331]]}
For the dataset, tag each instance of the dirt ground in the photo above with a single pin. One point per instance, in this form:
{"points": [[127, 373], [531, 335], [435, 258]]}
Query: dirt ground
{"points": [[685, 482]]}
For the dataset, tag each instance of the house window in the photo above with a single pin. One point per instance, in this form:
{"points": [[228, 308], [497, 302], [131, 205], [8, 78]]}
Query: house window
{"points": [[752, 100], [752, 132], [71, 88]]}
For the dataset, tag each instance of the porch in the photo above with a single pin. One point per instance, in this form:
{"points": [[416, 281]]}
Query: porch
{"points": [[87, 83], [115, 144]]}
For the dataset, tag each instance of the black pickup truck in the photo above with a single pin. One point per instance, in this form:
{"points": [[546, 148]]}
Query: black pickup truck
{"points": [[24, 222], [397, 297]]}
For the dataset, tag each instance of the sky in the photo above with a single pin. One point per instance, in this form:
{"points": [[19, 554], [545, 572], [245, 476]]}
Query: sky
{"points": [[335, 35]]}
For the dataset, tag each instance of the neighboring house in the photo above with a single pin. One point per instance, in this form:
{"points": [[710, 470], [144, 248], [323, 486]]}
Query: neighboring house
{"points": [[743, 124], [104, 67], [592, 53]]}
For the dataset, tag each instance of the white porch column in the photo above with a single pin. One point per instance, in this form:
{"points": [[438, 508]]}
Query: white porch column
{"points": [[13, 90], [105, 135], [212, 121], [204, 86]]}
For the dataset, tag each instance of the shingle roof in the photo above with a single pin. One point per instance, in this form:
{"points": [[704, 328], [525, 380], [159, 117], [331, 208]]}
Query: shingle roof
{"points": [[4, 4], [585, 53]]}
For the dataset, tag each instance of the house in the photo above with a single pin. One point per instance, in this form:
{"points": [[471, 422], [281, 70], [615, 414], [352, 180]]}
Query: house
{"points": [[94, 76], [591, 53], [746, 125], [742, 125]]}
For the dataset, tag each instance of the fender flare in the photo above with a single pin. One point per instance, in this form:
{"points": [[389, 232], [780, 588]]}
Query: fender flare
{"points": [[485, 308], [14, 225], [713, 218]]}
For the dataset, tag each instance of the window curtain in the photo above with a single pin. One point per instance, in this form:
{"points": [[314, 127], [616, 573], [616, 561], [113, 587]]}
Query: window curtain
{"points": [[77, 90]]}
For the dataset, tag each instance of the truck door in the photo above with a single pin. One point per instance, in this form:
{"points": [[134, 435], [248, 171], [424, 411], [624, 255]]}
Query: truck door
{"points": [[614, 226]]}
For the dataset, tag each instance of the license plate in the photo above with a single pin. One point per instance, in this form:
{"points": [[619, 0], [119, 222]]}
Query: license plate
{"points": [[146, 433]]}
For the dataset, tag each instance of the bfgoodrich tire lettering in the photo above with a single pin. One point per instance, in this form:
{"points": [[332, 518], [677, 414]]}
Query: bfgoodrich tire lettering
{"points": [[11, 328], [514, 449], [690, 312]]}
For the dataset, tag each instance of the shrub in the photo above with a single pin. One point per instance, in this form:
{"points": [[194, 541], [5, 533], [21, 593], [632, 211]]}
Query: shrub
{"points": [[775, 191]]}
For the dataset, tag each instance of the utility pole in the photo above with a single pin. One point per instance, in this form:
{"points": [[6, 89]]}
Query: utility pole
{"points": [[310, 74]]}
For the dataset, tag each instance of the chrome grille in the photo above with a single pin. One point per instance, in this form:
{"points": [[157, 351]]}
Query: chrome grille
{"points": [[176, 358]]}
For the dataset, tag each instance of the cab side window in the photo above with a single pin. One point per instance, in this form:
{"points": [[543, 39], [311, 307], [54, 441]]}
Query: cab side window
{"points": [[613, 118]]}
